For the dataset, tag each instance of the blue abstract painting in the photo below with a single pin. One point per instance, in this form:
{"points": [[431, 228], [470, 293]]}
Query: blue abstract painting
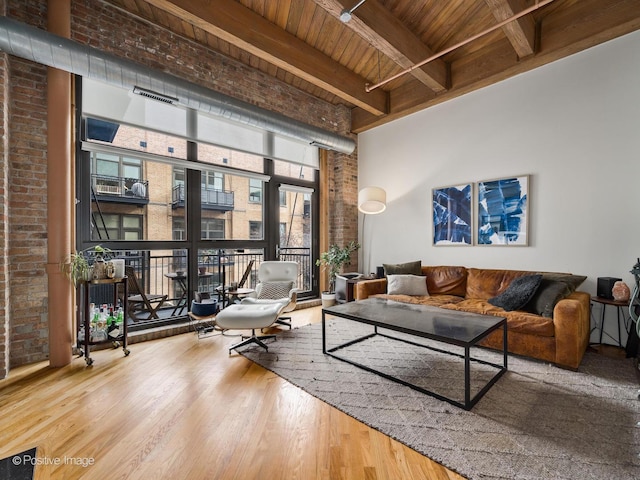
{"points": [[452, 214], [502, 211]]}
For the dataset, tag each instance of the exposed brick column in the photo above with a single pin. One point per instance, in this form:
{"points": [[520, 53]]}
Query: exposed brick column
{"points": [[59, 187], [343, 201]]}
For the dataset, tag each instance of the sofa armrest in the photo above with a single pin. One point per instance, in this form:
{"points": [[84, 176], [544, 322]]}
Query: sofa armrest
{"points": [[571, 323], [365, 288]]}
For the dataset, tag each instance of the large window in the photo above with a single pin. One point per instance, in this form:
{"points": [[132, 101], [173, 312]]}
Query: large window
{"points": [[168, 202], [212, 229], [255, 191], [117, 174], [213, 181], [255, 230], [179, 228], [123, 227]]}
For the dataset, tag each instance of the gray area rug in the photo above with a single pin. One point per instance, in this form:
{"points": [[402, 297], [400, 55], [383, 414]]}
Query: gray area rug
{"points": [[537, 422], [19, 466]]}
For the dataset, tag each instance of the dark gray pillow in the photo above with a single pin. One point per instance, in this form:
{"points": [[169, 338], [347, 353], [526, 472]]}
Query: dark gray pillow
{"points": [[548, 294], [409, 268], [518, 293], [571, 281]]}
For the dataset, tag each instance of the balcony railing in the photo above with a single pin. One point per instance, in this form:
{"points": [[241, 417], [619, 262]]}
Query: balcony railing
{"points": [[120, 189], [221, 266], [210, 199]]}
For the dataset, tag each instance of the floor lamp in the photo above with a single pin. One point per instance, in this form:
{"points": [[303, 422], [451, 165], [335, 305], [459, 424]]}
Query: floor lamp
{"points": [[371, 201]]}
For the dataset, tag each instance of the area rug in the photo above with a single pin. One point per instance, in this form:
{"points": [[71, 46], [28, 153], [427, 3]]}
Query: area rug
{"points": [[19, 466], [537, 422]]}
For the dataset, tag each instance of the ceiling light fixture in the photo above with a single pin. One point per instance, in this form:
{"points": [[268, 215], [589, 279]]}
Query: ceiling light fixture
{"points": [[369, 88], [345, 15]]}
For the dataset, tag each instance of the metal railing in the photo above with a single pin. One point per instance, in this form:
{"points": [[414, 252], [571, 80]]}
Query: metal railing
{"points": [[209, 199], [301, 255], [217, 267], [128, 189]]}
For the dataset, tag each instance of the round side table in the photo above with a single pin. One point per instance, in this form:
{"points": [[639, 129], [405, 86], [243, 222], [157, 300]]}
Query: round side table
{"points": [[620, 306]]}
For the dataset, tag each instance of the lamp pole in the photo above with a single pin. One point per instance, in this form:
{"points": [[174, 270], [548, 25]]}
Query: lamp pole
{"points": [[371, 201]]}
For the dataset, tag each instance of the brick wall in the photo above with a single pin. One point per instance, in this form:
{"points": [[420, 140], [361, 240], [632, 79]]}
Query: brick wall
{"points": [[28, 212], [100, 25], [4, 216]]}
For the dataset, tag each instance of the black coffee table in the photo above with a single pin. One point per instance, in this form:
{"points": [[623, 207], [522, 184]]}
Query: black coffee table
{"points": [[447, 326]]}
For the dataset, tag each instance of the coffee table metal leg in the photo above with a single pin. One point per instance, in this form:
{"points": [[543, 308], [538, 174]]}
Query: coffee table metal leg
{"points": [[324, 334], [505, 350], [467, 378]]}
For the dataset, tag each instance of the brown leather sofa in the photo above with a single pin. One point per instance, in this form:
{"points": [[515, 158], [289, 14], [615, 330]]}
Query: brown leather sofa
{"points": [[561, 339]]}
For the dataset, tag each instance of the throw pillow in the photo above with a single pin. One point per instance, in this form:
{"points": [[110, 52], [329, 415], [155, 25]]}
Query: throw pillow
{"points": [[544, 300], [571, 281], [518, 293], [409, 268], [406, 285], [275, 290]]}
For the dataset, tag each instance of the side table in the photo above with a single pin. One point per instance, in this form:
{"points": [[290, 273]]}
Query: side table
{"points": [[344, 286], [620, 310]]}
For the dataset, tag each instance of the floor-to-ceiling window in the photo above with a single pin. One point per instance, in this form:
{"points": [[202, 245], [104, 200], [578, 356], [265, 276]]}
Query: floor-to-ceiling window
{"points": [[186, 213]]}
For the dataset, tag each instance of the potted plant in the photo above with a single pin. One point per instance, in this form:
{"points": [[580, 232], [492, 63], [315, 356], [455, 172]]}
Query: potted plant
{"points": [[333, 260]]}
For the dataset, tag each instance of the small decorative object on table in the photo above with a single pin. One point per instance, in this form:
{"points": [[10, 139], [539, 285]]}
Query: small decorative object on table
{"points": [[621, 292]]}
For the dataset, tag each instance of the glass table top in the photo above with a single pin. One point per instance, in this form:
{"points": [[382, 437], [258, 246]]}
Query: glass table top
{"points": [[422, 320]]}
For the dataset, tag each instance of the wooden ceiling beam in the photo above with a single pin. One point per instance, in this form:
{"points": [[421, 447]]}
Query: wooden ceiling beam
{"points": [[521, 32], [240, 26], [377, 25], [564, 31]]}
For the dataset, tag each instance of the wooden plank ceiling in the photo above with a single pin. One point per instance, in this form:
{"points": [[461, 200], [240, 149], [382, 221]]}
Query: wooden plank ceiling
{"points": [[304, 43]]}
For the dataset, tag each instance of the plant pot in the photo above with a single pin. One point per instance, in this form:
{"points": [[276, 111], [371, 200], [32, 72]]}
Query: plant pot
{"points": [[328, 299]]}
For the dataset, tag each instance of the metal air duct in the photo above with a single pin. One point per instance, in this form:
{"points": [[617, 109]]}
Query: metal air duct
{"points": [[31, 43]]}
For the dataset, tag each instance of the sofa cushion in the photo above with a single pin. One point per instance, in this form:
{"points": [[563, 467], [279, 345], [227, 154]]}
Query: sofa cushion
{"points": [[431, 300], [409, 268], [447, 280], [406, 285], [548, 294], [518, 293], [517, 321], [483, 283]]}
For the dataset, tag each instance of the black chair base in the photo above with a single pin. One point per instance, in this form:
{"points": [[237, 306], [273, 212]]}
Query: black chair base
{"points": [[284, 321], [252, 339]]}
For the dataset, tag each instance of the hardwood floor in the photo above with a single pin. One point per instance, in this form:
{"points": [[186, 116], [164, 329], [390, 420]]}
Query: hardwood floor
{"points": [[182, 408]]}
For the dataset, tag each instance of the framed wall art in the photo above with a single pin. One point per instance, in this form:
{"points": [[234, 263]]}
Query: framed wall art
{"points": [[503, 206], [453, 215]]}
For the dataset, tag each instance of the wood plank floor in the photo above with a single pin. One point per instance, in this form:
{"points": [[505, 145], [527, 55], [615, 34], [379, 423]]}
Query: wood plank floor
{"points": [[182, 408]]}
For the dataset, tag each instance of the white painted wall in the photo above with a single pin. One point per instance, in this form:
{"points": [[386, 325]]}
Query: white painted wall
{"points": [[573, 125]]}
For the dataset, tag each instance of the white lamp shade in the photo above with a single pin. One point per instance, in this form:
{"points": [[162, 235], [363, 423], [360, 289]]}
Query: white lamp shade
{"points": [[372, 200]]}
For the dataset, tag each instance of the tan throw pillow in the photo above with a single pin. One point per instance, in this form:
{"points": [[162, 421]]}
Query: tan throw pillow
{"points": [[407, 285]]}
